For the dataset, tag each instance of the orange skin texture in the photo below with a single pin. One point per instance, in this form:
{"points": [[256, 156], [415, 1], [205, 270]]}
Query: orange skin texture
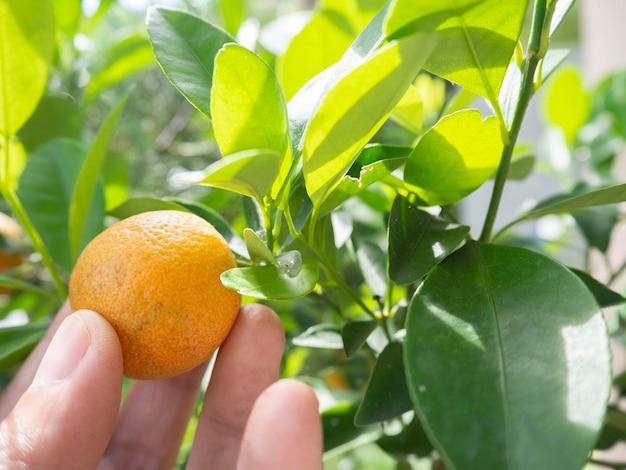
{"points": [[155, 277]]}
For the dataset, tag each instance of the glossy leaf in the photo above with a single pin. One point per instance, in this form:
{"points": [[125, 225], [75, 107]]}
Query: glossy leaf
{"points": [[17, 342], [350, 186], [257, 249], [27, 36], [248, 172], [271, 281], [574, 202], [322, 41], [476, 38], [88, 178], [567, 104], [604, 296], [355, 333], [304, 104], [45, 189], [247, 104], [418, 241], [355, 108], [482, 331], [372, 261], [454, 157], [185, 46], [324, 336], [386, 396]]}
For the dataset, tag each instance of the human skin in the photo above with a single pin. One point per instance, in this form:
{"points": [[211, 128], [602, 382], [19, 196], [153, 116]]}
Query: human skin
{"points": [[62, 410]]}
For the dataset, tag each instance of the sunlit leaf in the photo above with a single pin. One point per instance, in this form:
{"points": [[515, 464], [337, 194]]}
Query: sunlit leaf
{"points": [[249, 172], [482, 331], [476, 38], [257, 248], [185, 46], [271, 281], [454, 157], [27, 36], [355, 108]]}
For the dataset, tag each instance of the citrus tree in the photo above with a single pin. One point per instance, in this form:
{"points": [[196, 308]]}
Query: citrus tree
{"points": [[349, 149]]}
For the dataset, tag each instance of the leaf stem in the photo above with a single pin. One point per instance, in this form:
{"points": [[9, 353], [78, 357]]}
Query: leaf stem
{"points": [[536, 50], [16, 206]]}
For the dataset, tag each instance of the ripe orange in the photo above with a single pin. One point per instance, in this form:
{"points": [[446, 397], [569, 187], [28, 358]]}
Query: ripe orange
{"points": [[155, 277]]}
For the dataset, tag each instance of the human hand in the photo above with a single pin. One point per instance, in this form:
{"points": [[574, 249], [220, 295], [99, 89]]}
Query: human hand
{"points": [[69, 418]]}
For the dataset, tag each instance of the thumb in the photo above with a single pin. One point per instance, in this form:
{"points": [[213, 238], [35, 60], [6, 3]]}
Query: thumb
{"points": [[66, 417]]}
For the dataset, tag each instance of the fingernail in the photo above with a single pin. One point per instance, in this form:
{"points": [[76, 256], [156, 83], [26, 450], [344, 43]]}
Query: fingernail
{"points": [[67, 348]]}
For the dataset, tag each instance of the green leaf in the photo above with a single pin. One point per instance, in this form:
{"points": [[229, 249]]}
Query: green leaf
{"points": [[355, 108], [138, 205], [418, 241], [249, 172], [597, 224], [127, 56], [116, 174], [67, 15], [304, 104], [410, 441], [323, 336], [573, 202], [454, 157], [233, 12], [560, 11], [567, 104], [387, 395], [372, 262], [476, 38], [89, 177], [603, 295], [247, 104], [258, 251], [481, 332], [17, 342], [185, 46], [320, 44], [55, 116], [27, 37], [350, 186], [45, 189], [355, 333], [338, 424], [271, 281]]}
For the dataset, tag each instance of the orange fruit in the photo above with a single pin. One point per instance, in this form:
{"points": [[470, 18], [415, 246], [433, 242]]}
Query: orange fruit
{"points": [[155, 277]]}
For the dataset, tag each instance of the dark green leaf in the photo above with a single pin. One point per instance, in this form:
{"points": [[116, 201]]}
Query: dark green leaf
{"points": [[482, 331], [596, 224], [137, 205], [324, 336], [355, 333], [338, 424], [271, 281], [418, 241], [412, 440], [185, 46], [604, 296], [45, 189], [55, 116], [17, 342], [387, 395], [89, 179]]}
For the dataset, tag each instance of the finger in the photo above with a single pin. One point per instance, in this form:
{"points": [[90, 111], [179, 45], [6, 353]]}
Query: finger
{"points": [[153, 421], [25, 375], [66, 417], [290, 409], [247, 363]]}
